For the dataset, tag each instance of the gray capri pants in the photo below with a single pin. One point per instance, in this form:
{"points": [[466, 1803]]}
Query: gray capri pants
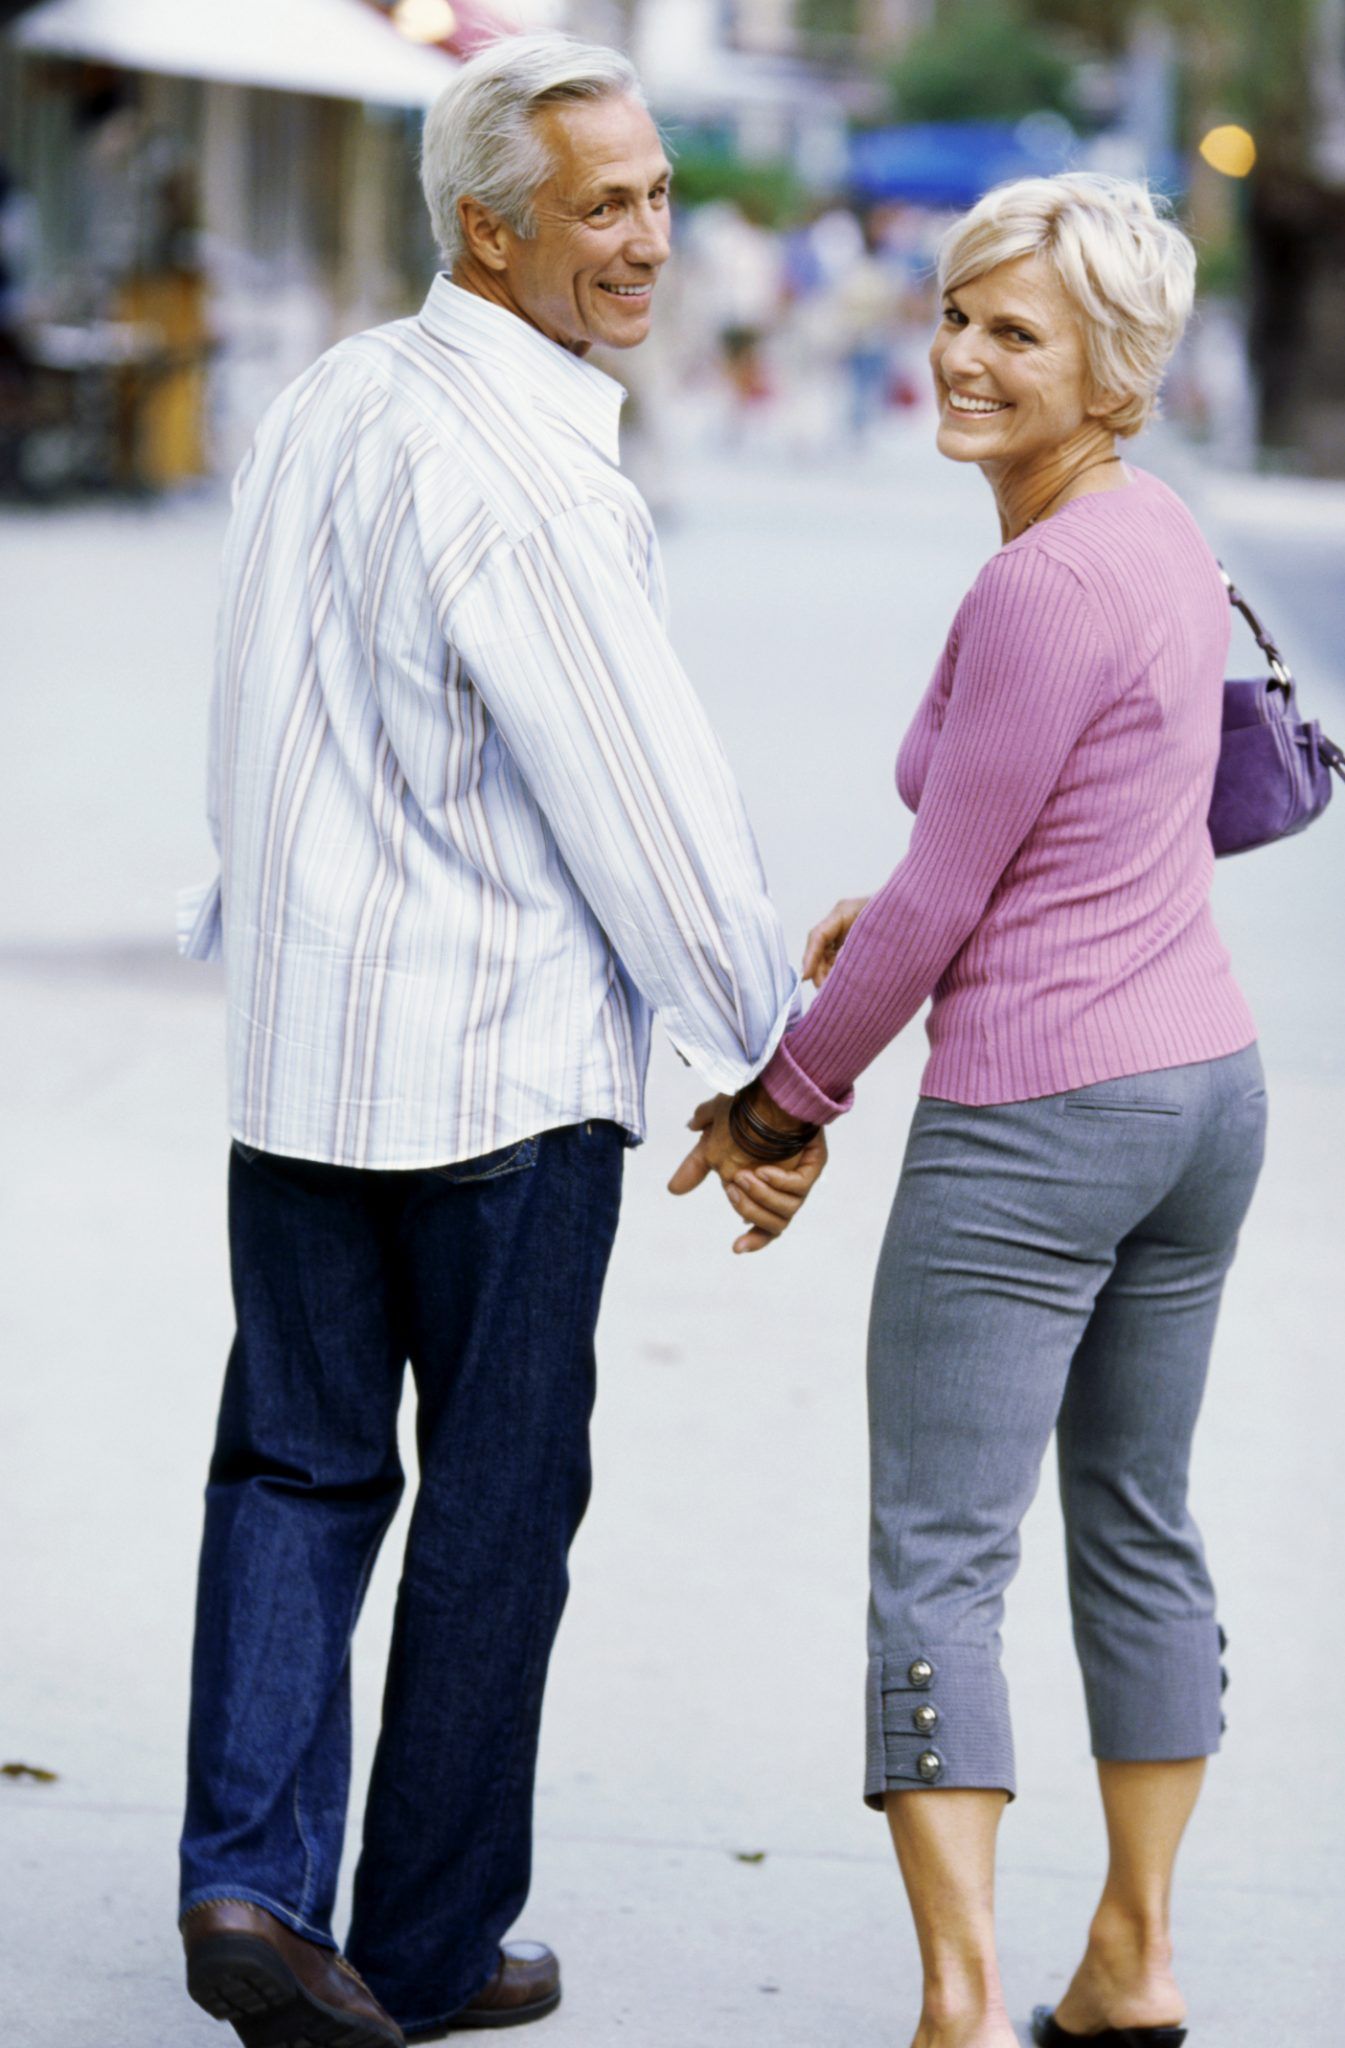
{"points": [[1050, 1264]]}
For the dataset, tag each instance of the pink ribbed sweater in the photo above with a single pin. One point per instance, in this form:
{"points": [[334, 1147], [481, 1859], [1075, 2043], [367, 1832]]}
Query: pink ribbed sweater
{"points": [[1055, 896]]}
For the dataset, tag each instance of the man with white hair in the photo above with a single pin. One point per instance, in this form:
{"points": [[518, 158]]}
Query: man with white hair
{"points": [[474, 829]]}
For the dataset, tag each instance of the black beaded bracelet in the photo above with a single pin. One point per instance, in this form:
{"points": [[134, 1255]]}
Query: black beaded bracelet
{"points": [[764, 1142]]}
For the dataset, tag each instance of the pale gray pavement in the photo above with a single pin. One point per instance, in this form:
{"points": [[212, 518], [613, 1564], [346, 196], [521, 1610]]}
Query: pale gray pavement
{"points": [[706, 1698]]}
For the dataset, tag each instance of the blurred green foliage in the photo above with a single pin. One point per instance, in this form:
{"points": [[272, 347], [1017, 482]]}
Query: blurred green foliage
{"points": [[769, 193], [1242, 60], [827, 24], [1221, 267], [980, 60]]}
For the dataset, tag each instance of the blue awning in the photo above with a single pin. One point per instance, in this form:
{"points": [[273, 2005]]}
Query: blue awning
{"points": [[951, 163]]}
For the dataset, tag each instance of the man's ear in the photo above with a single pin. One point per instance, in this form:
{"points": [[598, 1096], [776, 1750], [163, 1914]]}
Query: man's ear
{"points": [[484, 235]]}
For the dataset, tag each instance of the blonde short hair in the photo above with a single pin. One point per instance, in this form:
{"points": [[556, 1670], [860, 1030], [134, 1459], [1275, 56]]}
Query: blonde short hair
{"points": [[1127, 266]]}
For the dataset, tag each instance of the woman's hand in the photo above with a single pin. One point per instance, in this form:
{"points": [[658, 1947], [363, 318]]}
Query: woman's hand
{"points": [[826, 939], [767, 1198]]}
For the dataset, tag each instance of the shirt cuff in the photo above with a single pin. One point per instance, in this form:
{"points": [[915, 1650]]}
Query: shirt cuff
{"points": [[727, 1071], [199, 925], [786, 1083]]}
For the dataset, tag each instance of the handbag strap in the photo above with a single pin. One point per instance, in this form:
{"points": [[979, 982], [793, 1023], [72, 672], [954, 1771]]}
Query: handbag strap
{"points": [[1281, 677], [1280, 672]]}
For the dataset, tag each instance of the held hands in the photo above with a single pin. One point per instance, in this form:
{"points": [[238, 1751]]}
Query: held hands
{"points": [[826, 939], [767, 1198]]}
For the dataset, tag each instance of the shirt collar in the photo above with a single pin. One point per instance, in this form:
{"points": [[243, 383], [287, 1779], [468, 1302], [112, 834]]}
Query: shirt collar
{"points": [[585, 396]]}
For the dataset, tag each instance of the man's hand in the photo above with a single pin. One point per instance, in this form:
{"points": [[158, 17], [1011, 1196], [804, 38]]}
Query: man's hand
{"points": [[826, 939], [766, 1197]]}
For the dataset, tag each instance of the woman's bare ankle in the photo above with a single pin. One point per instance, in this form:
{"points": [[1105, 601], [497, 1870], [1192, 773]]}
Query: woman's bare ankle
{"points": [[964, 2010], [1125, 1978], [987, 2027]]}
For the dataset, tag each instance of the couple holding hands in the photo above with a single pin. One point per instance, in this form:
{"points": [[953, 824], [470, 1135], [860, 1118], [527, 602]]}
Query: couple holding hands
{"points": [[474, 832]]}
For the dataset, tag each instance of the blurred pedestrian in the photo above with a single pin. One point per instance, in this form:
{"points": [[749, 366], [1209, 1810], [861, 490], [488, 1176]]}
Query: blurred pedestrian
{"points": [[1093, 1110], [16, 371], [740, 273], [868, 300], [473, 828]]}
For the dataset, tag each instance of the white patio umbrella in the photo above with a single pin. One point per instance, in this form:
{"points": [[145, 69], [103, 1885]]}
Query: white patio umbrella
{"points": [[342, 48]]}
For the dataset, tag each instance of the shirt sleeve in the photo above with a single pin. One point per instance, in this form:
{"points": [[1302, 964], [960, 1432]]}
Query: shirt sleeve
{"points": [[1030, 676], [574, 664], [200, 908]]}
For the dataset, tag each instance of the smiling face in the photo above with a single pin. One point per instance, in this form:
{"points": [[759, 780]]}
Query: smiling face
{"points": [[586, 276], [1010, 368]]}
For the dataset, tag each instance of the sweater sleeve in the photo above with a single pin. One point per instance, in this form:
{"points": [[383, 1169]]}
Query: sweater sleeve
{"points": [[1030, 675]]}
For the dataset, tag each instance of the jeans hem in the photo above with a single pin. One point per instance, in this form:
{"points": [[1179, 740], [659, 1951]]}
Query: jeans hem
{"points": [[427, 2028], [216, 1894]]}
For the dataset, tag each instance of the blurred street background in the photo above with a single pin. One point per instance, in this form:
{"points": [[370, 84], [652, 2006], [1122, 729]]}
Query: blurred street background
{"points": [[196, 201]]}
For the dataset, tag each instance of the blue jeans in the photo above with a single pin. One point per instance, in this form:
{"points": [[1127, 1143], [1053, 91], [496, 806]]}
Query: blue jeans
{"points": [[486, 1276]]}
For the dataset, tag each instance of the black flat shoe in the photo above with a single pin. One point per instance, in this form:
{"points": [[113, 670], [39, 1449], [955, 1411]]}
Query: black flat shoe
{"points": [[1048, 2033]]}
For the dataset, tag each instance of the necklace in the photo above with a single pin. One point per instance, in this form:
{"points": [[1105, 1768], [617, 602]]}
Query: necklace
{"points": [[1088, 466]]}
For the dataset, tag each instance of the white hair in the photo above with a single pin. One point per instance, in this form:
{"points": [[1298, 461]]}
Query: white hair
{"points": [[1126, 265], [480, 138]]}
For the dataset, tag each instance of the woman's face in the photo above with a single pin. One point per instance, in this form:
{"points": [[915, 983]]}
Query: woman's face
{"points": [[1010, 373]]}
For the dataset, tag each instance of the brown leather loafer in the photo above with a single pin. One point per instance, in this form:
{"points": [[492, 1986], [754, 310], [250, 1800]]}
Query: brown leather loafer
{"points": [[526, 1986], [277, 1989]]}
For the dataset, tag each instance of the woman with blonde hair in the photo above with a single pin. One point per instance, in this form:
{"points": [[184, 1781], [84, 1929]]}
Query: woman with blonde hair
{"points": [[1092, 1115]]}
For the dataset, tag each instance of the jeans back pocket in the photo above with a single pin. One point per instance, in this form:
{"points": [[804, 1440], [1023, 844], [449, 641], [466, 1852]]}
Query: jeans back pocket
{"points": [[515, 1158]]}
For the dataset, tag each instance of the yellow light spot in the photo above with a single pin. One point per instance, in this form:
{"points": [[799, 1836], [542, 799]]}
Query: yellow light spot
{"points": [[1230, 150], [424, 21]]}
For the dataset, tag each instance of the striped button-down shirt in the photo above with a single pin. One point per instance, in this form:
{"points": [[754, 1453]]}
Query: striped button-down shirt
{"points": [[473, 823]]}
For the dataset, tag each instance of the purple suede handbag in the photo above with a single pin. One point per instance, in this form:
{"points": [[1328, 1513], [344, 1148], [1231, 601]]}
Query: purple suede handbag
{"points": [[1274, 773]]}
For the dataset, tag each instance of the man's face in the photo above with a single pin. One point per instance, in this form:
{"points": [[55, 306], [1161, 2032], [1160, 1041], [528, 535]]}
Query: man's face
{"points": [[586, 277]]}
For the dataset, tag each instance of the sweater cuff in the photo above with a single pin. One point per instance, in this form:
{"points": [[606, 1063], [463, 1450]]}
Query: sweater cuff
{"points": [[786, 1083]]}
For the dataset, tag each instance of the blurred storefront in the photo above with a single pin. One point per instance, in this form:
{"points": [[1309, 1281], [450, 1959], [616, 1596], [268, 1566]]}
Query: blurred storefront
{"points": [[760, 99], [1296, 219], [214, 195], [195, 200]]}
